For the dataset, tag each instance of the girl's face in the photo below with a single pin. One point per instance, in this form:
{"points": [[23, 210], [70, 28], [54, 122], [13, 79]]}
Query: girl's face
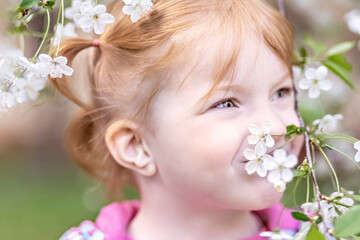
{"points": [[198, 148]]}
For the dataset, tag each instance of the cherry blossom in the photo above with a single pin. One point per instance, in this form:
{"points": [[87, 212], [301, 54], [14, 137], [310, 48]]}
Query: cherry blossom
{"points": [[136, 8], [70, 12], [280, 166], [93, 18], [328, 123], [357, 147], [280, 186], [256, 158], [28, 89], [341, 203], [55, 68], [261, 135], [315, 81], [328, 212], [7, 100]]}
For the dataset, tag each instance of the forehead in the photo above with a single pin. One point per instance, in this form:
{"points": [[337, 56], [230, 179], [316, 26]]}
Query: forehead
{"points": [[224, 60]]}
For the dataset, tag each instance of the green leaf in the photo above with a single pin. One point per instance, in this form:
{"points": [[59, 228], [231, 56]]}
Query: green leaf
{"points": [[316, 47], [340, 48], [348, 224], [302, 51], [339, 71], [291, 129], [300, 216], [341, 60], [355, 197], [314, 234], [319, 220], [27, 4]]}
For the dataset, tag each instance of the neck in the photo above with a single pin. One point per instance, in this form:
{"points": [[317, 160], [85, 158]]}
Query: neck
{"points": [[164, 217]]}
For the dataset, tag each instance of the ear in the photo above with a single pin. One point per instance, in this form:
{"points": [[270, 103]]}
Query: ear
{"points": [[128, 147]]}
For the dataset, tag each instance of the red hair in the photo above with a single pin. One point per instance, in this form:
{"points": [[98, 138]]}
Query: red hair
{"points": [[134, 61]]}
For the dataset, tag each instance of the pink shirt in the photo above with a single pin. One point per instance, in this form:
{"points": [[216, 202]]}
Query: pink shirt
{"points": [[112, 222]]}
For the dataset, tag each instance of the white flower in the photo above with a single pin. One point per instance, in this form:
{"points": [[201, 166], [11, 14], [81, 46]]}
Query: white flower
{"points": [[280, 166], [328, 123], [353, 20], [93, 18], [136, 8], [54, 67], [315, 81], [340, 202], [276, 235], [7, 100], [256, 159], [261, 136], [11, 57], [70, 12], [280, 186], [67, 31], [357, 147], [328, 212], [27, 89]]}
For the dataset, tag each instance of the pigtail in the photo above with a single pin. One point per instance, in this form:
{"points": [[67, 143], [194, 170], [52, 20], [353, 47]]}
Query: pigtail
{"points": [[84, 138], [70, 48]]}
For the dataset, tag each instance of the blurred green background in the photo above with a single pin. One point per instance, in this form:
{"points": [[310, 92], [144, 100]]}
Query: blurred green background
{"points": [[43, 193]]}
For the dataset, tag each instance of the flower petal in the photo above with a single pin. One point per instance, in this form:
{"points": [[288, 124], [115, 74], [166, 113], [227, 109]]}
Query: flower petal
{"points": [[45, 58], [274, 176], [66, 70], [269, 141], [357, 145], [268, 162], [325, 85], [291, 161], [261, 171], [280, 155], [310, 73], [99, 27], [60, 60], [250, 167], [314, 91], [254, 129], [107, 18], [253, 139], [99, 9], [357, 156], [249, 154], [305, 83], [266, 127], [286, 175], [280, 186], [128, 10], [321, 72], [260, 149]]}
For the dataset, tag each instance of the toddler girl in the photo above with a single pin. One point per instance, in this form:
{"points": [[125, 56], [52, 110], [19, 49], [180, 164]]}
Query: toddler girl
{"points": [[170, 101]]}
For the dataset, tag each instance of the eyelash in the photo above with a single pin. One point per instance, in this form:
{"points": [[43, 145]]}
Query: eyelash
{"points": [[286, 91], [230, 100]]}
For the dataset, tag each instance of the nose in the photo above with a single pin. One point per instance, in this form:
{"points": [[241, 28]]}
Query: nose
{"points": [[278, 122]]}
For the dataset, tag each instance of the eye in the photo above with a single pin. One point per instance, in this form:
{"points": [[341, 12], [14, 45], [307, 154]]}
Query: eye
{"points": [[226, 103], [282, 93]]}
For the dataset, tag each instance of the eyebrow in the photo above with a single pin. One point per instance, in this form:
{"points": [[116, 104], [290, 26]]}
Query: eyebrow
{"points": [[239, 88]]}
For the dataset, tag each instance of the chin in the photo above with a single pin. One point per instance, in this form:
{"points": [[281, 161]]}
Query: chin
{"points": [[266, 196]]}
